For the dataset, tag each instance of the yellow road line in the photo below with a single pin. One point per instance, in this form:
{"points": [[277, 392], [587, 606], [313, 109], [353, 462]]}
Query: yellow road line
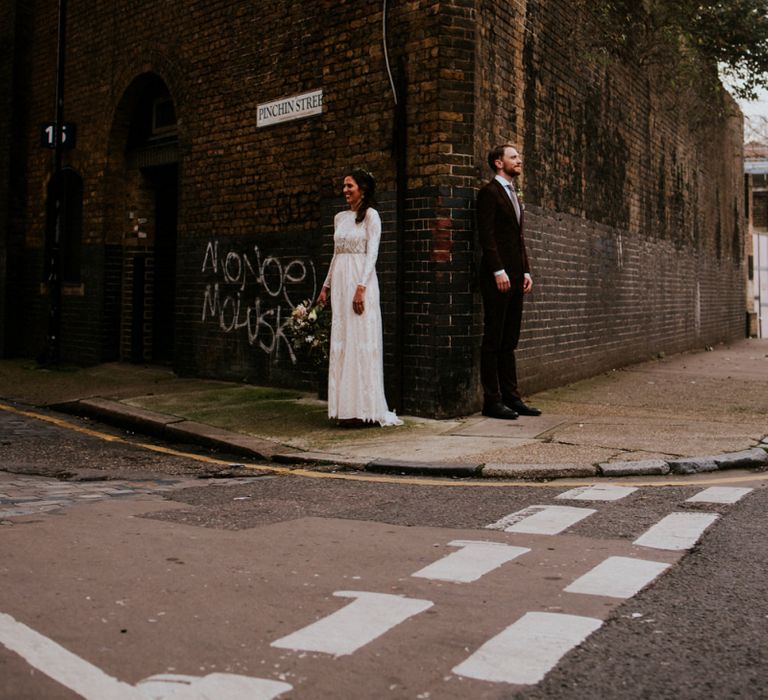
{"points": [[694, 480], [116, 438]]}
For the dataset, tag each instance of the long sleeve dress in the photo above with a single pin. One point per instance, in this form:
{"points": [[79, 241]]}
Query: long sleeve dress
{"points": [[356, 362]]}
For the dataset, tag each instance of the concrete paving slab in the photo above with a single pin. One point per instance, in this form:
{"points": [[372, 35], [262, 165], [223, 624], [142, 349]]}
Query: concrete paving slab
{"points": [[739, 361], [545, 452], [665, 434], [522, 427], [428, 448]]}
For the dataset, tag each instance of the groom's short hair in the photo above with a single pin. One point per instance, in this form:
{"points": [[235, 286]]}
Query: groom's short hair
{"points": [[496, 153]]}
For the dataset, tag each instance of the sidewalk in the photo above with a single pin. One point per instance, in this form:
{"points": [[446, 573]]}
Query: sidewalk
{"points": [[695, 412]]}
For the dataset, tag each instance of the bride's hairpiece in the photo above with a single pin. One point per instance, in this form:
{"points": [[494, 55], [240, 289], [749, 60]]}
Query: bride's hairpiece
{"points": [[369, 181]]}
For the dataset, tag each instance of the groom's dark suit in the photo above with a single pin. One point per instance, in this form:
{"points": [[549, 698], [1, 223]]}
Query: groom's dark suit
{"points": [[503, 246]]}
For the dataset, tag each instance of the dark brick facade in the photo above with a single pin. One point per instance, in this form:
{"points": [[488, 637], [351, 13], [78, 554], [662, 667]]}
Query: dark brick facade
{"points": [[196, 243], [7, 52], [11, 105]]}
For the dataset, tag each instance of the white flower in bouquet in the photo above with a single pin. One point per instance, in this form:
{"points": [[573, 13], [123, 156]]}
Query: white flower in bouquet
{"points": [[308, 331]]}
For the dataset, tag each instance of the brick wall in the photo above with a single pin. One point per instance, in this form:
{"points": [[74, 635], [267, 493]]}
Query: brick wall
{"points": [[633, 225], [7, 49], [635, 212]]}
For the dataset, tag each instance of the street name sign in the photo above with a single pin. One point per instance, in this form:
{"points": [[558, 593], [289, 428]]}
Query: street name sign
{"points": [[287, 109]]}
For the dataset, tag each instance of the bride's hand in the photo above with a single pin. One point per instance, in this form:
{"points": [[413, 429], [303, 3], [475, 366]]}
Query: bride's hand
{"points": [[358, 301], [322, 298]]}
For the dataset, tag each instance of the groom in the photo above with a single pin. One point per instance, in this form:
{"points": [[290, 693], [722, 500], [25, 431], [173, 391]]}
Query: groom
{"points": [[504, 279]]}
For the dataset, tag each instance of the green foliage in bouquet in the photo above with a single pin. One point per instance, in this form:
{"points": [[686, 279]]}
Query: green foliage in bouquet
{"points": [[309, 332]]}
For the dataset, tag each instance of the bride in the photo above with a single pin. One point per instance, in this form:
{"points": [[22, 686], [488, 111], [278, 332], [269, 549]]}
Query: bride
{"points": [[356, 363]]}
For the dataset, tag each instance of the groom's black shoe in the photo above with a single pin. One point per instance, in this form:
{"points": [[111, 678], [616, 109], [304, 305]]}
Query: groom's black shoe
{"points": [[499, 410], [522, 408]]}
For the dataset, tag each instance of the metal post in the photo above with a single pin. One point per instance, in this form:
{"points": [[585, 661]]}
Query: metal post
{"points": [[53, 345]]}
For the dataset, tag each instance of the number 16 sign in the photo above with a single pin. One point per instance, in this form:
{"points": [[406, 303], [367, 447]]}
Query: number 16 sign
{"points": [[48, 135]]}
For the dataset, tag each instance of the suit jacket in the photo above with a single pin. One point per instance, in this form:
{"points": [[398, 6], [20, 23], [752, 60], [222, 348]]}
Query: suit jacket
{"points": [[501, 234]]}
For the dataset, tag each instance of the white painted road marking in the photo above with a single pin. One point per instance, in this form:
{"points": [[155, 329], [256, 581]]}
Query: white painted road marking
{"points": [[606, 492], [354, 626], [719, 494], [472, 561], [63, 666], [677, 531], [92, 683], [214, 685], [541, 520], [618, 577], [527, 650]]}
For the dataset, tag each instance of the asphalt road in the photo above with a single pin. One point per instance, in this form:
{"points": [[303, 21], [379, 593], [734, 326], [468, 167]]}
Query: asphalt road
{"points": [[124, 574]]}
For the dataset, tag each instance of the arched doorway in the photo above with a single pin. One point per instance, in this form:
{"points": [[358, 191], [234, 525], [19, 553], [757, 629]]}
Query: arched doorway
{"points": [[143, 204]]}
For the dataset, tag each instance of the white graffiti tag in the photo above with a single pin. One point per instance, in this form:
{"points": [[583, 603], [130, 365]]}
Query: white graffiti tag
{"points": [[255, 295]]}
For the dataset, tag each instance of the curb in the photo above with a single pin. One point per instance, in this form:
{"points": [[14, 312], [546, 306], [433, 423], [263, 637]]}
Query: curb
{"points": [[179, 429], [173, 428], [394, 466], [538, 472]]}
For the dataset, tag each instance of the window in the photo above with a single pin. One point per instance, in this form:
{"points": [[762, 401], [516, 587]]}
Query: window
{"points": [[163, 116]]}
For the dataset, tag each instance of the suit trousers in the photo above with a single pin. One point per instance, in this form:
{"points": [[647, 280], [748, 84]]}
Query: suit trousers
{"points": [[502, 316]]}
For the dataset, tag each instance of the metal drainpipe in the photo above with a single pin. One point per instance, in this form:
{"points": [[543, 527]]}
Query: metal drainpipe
{"points": [[400, 153], [401, 158]]}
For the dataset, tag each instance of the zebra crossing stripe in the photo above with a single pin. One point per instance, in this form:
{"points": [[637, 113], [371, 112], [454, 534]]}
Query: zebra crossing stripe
{"points": [[541, 520], [369, 616], [677, 531], [720, 494], [601, 492], [618, 577], [472, 561], [528, 649]]}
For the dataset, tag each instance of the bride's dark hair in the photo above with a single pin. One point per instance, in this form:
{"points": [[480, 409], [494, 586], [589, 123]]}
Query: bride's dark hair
{"points": [[367, 185]]}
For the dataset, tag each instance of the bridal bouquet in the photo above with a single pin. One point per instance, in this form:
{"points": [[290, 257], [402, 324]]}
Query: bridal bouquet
{"points": [[309, 331]]}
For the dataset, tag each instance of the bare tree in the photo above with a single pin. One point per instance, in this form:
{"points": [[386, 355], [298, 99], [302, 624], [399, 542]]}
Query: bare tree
{"points": [[756, 129]]}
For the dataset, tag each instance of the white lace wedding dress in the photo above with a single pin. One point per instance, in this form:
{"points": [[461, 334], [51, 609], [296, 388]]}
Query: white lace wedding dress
{"points": [[356, 364]]}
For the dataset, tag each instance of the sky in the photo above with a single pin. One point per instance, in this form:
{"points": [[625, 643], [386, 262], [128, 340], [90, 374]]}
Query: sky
{"points": [[757, 108], [755, 115]]}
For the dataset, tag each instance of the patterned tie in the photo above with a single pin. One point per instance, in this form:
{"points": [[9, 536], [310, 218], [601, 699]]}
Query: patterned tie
{"points": [[515, 202]]}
